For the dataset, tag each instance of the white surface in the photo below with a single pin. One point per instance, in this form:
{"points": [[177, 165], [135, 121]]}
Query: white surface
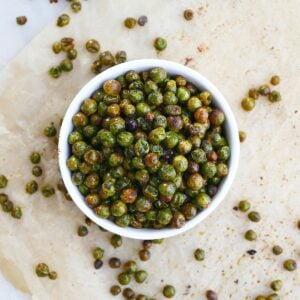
{"points": [[13, 38], [173, 69]]}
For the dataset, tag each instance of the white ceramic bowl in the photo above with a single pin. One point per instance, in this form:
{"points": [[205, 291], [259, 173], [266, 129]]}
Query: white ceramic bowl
{"points": [[173, 69]]}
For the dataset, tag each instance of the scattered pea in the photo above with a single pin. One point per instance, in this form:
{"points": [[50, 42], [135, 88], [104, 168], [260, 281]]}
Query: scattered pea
{"points": [[199, 254], [242, 136], [211, 295], [31, 187], [188, 14], [277, 250], [275, 80], [76, 6], [276, 285], [254, 216], [48, 190], [63, 20], [250, 235], [142, 20], [264, 90], [16, 212], [248, 103], [115, 290], [98, 253], [114, 263], [130, 23], [3, 181], [160, 44], [42, 270], [290, 265], [92, 46], [21, 20], [116, 241], [169, 291], [50, 131], [52, 275], [82, 230], [244, 205]]}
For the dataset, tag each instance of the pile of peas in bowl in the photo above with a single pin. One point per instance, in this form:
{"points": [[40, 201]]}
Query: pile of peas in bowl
{"points": [[148, 150]]}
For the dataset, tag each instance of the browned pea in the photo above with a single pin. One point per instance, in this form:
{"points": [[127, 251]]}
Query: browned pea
{"points": [[82, 230], [275, 80], [130, 23], [52, 275], [253, 93], [128, 293], [112, 87], [178, 220], [144, 255], [290, 265], [188, 14], [67, 44], [114, 263], [147, 244], [22, 20], [92, 46], [242, 136], [211, 295], [63, 20], [115, 290], [277, 250], [98, 263]]}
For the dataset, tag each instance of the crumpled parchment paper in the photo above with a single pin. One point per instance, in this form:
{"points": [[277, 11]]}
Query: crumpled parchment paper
{"points": [[237, 45]]}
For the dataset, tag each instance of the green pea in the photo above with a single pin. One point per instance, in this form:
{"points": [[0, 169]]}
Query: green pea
{"points": [[274, 96], [164, 216], [167, 189], [140, 276], [89, 107], [98, 253], [167, 172], [157, 135], [118, 209], [276, 285], [250, 235], [3, 198], [124, 278], [158, 75], [80, 119], [170, 98], [106, 138], [254, 216], [50, 131], [115, 290], [155, 98], [130, 267], [143, 204], [74, 137], [244, 205], [121, 56], [7, 206], [102, 211], [52, 275], [189, 210], [125, 138], [66, 65], [180, 163], [31, 187], [202, 200], [183, 94], [48, 190], [199, 156], [160, 44], [42, 270], [169, 291], [248, 104]]}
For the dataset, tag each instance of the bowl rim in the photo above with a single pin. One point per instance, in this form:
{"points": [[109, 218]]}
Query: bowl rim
{"points": [[139, 65]]}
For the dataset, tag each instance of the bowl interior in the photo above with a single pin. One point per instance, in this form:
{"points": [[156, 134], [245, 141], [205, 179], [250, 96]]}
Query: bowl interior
{"points": [[141, 65]]}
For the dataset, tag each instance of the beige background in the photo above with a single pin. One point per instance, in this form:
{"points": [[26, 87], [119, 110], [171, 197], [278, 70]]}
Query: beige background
{"points": [[237, 45]]}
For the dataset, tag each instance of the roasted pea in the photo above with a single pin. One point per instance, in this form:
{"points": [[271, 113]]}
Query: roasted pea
{"points": [[50, 131], [273, 297], [244, 205], [102, 211], [189, 210], [3, 198], [248, 103], [52, 275], [114, 263], [67, 44], [277, 250], [290, 265], [98, 263], [169, 291], [130, 23], [76, 6], [48, 190], [143, 297], [142, 20], [140, 276], [254, 216], [211, 295], [202, 200], [116, 241], [56, 47], [178, 220], [264, 90], [82, 230], [274, 96], [242, 136], [130, 267], [66, 65], [128, 293], [42, 270], [72, 54], [250, 235], [7, 206], [160, 44], [260, 297], [217, 117], [3, 181], [199, 254], [144, 254], [21, 20], [253, 93], [63, 20], [188, 14], [115, 290], [275, 80], [121, 56], [276, 285], [124, 278], [106, 58], [31, 187]]}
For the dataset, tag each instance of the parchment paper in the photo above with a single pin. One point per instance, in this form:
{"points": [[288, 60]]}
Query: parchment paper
{"points": [[237, 45]]}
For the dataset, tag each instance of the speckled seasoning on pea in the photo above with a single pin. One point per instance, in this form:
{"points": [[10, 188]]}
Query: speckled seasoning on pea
{"points": [[148, 150]]}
